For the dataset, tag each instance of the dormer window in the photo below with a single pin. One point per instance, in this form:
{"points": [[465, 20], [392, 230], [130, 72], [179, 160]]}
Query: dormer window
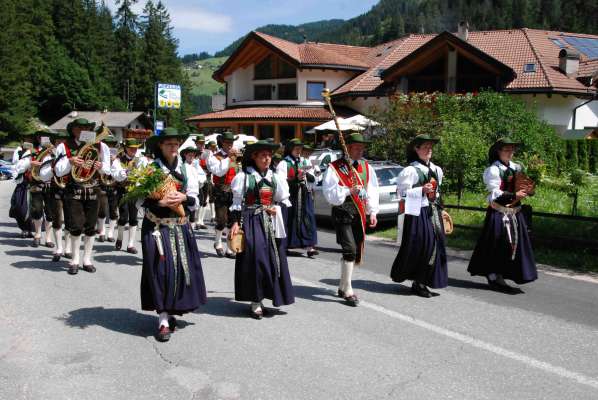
{"points": [[531, 67], [273, 67]]}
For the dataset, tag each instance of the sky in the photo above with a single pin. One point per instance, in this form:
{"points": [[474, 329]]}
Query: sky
{"points": [[211, 25]]}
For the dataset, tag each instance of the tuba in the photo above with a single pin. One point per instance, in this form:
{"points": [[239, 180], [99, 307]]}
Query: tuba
{"points": [[36, 169], [90, 154]]}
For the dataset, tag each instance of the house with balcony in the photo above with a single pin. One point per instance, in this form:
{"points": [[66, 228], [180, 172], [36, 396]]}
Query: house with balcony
{"points": [[273, 86]]}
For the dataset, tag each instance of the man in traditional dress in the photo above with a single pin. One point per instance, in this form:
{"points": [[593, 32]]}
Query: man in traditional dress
{"points": [[223, 166], [351, 186], [57, 204], [108, 203], [206, 189], [81, 196], [127, 212]]}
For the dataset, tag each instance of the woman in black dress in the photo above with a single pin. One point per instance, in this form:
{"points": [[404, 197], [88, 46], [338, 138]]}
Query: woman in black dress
{"points": [[172, 281], [504, 250], [261, 270]]}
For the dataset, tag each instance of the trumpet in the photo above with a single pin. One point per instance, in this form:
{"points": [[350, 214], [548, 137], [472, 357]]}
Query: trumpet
{"points": [[90, 155]]}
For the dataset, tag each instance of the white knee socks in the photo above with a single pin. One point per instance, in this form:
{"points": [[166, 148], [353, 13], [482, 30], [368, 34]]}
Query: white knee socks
{"points": [[75, 249], [346, 276], [132, 235], [87, 251]]}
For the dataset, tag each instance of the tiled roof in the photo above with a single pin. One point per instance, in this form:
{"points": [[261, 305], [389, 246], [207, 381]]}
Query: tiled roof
{"points": [[112, 119], [588, 68], [270, 113], [514, 48]]}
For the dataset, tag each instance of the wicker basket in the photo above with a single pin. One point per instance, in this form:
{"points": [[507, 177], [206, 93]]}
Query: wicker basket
{"points": [[169, 186]]}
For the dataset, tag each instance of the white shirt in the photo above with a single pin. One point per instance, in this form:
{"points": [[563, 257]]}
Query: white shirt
{"points": [[201, 174], [63, 166], [218, 167], [492, 178], [336, 194], [120, 173], [409, 177]]}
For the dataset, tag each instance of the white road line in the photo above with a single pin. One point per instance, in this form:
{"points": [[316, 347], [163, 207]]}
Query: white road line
{"points": [[530, 361]]}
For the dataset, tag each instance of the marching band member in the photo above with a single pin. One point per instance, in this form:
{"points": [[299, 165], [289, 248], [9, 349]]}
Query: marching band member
{"points": [[223, 166], [127, 212], [193, 168], [57, 204], [39, 186], [212, 148], [19, 204], [261, 270], [206, 189], [81, 198], [300, 218], [172, 281], [108, 201], [504, 250], [351, 186], [422, 255]]}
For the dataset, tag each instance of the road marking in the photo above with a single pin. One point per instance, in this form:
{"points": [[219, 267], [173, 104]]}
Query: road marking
{"points": [[480, 344]]}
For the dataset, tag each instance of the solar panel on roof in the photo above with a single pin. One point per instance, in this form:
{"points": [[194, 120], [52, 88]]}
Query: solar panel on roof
{"points": [[587, 46], [558, 43]]}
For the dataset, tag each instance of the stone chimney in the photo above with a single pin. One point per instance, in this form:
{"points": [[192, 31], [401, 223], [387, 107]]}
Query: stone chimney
{"points": [[463, 31], [569, 61]]}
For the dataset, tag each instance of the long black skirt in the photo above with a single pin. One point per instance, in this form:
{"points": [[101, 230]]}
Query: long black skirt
{"points": [[492, 253], [301, 231], [19, 207], [417, 247], [163, 284], [256, 277]]}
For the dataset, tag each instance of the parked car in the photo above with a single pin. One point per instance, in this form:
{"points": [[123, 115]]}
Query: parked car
{"points": [[387, 173], [6, 171]]}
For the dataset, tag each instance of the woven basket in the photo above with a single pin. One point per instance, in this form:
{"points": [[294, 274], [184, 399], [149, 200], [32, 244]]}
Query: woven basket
{"points": [[169, 186]]}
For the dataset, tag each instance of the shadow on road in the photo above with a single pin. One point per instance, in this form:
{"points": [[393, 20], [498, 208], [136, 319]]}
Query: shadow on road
{"points": [[46, 265], [315, 294], [124, 259], [122, 320], [224, 307], [15, 242], [40, 252], [374, 287]]}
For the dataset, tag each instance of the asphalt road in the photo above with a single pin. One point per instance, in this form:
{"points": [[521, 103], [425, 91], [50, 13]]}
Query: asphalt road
{"points": [[84, 337]]}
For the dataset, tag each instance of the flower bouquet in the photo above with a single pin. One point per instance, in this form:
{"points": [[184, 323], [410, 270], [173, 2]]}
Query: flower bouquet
{"points": [[151, 182]]}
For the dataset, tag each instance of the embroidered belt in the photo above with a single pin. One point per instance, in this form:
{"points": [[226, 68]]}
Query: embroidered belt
{"points": [[165, 221], [509, 220]]}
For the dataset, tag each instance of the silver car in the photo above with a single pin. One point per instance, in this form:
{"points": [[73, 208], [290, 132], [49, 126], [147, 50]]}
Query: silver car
{"points": [[387, 173]]}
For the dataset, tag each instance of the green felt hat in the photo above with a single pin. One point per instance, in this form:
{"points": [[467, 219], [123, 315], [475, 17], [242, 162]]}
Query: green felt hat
{"points": [[260, 145], [168, 133], [200, 138], [211, 143], [307, 147], [356, 138], [506, 141], [188, 149], [132, 142], [82, 122], [422, 138], [59, 135], [110, 140], [294, 143], [228, 135]]}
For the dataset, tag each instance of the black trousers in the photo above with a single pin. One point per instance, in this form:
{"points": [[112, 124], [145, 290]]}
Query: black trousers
{"points": [[127, 213], [223, 199], [206, 192], [349, 233], [41, 203], [108, 206], [81, 205]]}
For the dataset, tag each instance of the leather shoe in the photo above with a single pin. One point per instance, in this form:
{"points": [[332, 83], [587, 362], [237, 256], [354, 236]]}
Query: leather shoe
{"points": [[131, 250], [68, 255], [256, 314], [101, 238], [56, 257], [230, 254], [340, 294], [352, 300], [172, 323], [89, 268], [163, 334], [219, 251], [50, 245], [73, 269], [111, 240], [36, 242], [202, 226], [118, 245], [420, 290], [503, 288]]}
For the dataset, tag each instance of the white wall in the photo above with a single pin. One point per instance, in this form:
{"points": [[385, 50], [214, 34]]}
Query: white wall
{"points": [[241, 82], [365, 105], [557, 110]]}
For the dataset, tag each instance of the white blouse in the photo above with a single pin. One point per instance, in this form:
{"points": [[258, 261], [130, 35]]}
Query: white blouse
{"points": [[492, 178], [24, 164], [240, 183], [63, 166], [336, 194], [409, 177], [218, 167], [120, 174]]}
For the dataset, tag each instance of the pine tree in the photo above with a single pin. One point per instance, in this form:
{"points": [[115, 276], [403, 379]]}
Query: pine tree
{"points": [[127, 56]]}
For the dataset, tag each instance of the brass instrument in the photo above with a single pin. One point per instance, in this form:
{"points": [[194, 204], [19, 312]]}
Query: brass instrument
{"points": [[341, 137], [35, 170], [90, 154], [61, 181]]}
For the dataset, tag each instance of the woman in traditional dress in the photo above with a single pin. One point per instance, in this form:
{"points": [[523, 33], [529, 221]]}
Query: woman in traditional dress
{"points": [[504, 250], [261, 270], [172, 281], [422, 255], [300, 218]]}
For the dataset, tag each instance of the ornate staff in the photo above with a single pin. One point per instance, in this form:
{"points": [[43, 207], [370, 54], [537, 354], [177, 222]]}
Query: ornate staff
{"points": [[341, 137]]}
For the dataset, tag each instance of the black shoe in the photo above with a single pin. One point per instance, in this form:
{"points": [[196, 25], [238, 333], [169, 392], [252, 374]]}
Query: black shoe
{"points": [[50, 245], [503, 288], [68, 255], [111, 240], [118, 245], [131, 250], [219, 251], [163, 334], [73, 269], [36, 242], [23, 235], [340, 294], [56, 257], [30, 234], [202, 226], [256, 314], [101, 238], [89, 268], [230, 254], [420, 290], [311, 253], [172, 323], [352, 300]]}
